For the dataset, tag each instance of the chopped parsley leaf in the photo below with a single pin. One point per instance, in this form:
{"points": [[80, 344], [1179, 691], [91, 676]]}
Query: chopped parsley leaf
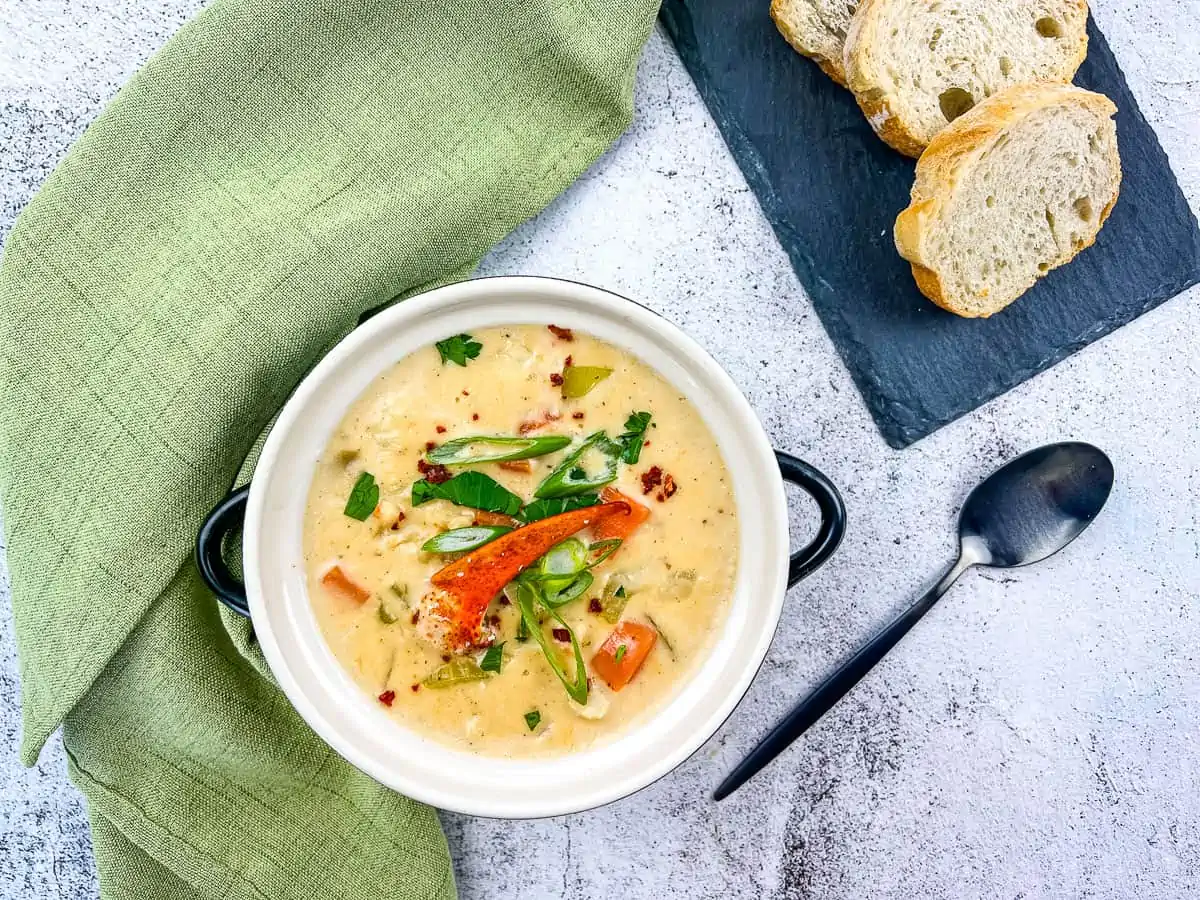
{"points": [[459, 349]]}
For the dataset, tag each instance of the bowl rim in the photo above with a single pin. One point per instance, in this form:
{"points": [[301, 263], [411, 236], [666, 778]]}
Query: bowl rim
{"points": [[659, 331]]}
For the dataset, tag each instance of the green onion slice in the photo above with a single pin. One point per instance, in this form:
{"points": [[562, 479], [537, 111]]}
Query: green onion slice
{"points": [[571, 478], [602, 550], [494, 448], [528, 598], [460, 540], [575, 589]]}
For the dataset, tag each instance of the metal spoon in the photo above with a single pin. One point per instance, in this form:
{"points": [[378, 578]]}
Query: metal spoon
{"points": [[1021, 514]]}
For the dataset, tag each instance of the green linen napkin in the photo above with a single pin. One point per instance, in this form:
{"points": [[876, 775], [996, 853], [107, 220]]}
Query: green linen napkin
{"points": [[279, 169]]}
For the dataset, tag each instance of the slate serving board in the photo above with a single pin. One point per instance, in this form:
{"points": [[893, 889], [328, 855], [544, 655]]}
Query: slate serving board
{"points": [[831, 190]]}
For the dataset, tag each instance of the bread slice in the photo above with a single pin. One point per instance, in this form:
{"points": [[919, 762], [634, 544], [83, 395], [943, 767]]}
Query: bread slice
{"points": [[816, 28], [915, 65], [1007, 192]]}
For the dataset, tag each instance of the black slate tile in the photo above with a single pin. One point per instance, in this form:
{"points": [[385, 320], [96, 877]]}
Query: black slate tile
{"points": [[831, 190]]}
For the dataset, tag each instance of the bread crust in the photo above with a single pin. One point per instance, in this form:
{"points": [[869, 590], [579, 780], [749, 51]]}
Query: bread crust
{"points": [[880, 108], [949, 158], [830, 66]]}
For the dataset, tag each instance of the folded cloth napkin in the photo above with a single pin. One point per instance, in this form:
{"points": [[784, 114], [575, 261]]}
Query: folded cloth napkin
{"points": [[279, 169]]}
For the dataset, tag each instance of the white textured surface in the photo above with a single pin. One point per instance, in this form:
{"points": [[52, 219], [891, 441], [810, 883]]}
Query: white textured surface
{"points": [[1036, 737]]}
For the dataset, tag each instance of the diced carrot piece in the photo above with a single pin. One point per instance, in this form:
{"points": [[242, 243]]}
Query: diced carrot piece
{"points": [[470, 583], [338, 582], [619, 526], [617, 666]]}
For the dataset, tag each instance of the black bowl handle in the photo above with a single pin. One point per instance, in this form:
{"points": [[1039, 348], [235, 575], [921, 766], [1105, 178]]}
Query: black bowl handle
{"points": [[833, 516], [227, 516]]}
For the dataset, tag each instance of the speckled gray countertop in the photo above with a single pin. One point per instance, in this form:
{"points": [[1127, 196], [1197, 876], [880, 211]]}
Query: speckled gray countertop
{"points": [[1037, 736]]}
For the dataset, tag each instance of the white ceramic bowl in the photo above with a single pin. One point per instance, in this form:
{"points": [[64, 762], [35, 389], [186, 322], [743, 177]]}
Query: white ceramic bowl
{"points": [[350, 721]]}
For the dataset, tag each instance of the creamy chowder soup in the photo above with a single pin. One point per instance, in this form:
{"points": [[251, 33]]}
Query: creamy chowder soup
{"points": [[520, 541]]}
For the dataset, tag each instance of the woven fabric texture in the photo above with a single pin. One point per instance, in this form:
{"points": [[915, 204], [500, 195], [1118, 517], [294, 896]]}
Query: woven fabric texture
{"points": [[277, 170]]}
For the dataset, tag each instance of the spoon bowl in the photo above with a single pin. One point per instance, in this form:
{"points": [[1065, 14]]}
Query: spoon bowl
{"points": [[1023, 512], [1034, 506]]}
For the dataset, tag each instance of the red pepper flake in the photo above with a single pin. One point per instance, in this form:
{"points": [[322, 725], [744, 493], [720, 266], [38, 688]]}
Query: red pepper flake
{"points": [[669, 487], [595, 606], [430, 445], [563, 334], [441, 429], [577, 415], [494, 620], [647, 444], [415, 688], [400, 517], [504, 601], [517, 465], [466, 393], [434, 474], [446, 657], [387, 697], [651, 479], [474, 417], [569, 361], [562, 634], [556, 379], [416, 616]]}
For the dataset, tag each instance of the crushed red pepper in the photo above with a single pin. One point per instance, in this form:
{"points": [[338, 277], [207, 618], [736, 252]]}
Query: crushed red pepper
{"points": [[387, 697], [556, 379], [517, 465], [474, 417], [651, 479], [562, 634], [416, 616], [595, 606], [415, 688], [563, 334], [569, 361], [434, 474], [577, 415], [430, 445], [441, 429], [669, 487]]}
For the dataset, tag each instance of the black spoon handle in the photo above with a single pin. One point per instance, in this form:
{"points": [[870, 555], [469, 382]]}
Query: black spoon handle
{"points": [[820, 701]]}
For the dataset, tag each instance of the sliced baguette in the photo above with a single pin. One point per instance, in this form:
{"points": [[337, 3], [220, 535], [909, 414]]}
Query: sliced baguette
{"points": [[914, 65], [816, 28], [1010, 190]]}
